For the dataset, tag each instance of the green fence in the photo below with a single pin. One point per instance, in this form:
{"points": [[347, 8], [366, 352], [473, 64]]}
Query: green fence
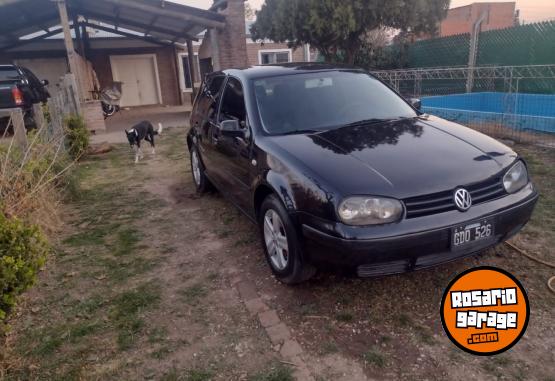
{"points": [[447, 51], [531, 44]]}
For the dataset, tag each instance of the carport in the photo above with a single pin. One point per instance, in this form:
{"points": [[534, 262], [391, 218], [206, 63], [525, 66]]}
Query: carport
{"points": [[157, 22]]}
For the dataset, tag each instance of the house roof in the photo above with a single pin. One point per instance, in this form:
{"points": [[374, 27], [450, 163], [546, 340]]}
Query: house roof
{"points": [[158, 20]]}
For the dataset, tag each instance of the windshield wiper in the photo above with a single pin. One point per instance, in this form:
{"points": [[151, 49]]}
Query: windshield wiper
{"points": [[295, 132], [357, 123], [374, 121]]}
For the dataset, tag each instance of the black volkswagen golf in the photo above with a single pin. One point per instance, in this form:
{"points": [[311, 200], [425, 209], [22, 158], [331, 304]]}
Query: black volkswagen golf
{"points": [[336, 168]]}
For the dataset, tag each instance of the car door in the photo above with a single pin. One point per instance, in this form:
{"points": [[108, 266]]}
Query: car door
{"points": [[233, 151], [204, 121]]}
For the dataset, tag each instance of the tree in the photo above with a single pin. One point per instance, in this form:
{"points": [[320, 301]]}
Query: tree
{"points": [[338, 28], [249, 12]]}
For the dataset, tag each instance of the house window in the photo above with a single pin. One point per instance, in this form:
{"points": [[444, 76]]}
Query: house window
{"points": [[187, 82], [274, 56]]}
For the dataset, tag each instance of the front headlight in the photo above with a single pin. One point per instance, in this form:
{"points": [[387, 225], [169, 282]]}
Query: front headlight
{"points": [[369, 210], [516, 178]]}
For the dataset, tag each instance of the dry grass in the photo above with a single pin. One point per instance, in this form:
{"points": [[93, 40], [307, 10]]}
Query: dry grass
{"points": [[31, 175], [499, 131]]}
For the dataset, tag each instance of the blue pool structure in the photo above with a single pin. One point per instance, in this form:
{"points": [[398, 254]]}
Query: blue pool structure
{"points": [[523, 112]]}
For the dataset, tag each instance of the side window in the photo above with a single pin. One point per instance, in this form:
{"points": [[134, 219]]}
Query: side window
{"points": [[31, 78], [233, 102], [208, 97], [34, 84]]}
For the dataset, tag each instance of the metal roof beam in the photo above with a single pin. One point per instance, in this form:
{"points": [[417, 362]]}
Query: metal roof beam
{"points": [[152, 22], [117, 13], [131, 24], [44, 21], [30, 40], [167, 13], [129, 35], [31, 19]]}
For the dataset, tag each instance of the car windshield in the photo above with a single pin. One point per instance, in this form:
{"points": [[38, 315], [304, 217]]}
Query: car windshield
{"points": [[325, 100], [8, 74]]}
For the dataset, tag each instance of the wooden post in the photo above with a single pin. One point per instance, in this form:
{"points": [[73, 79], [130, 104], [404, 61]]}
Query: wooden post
{"points": [[191, 59], [78, 36], [85, 38], [55, 116], [38, 115], [215, 50], [68, 40], [19, 131], [72, 95]]}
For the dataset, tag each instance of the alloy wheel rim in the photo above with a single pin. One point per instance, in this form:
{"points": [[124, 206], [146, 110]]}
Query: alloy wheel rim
{"points": [[196, 167], [275, 239]]}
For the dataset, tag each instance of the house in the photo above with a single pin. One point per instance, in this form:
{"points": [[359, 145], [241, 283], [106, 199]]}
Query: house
{"points": [[258, 53], [143, 43], [462, 19]]}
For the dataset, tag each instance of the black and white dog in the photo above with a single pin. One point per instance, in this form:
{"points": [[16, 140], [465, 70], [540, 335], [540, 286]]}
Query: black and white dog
{"points": [[142, 131]]}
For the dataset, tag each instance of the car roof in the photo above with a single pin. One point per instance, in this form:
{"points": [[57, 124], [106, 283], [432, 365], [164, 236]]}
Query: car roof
{"points": [[264, 71], [8, 66]]}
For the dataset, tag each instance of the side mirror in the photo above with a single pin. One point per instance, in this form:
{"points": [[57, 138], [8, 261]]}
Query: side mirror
{"points": [[416, 103], [45, 82], [231, 128]]}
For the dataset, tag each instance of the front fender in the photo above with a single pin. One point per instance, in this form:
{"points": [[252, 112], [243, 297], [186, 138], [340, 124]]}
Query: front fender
{"points": [[300, 193], [281, 186]]}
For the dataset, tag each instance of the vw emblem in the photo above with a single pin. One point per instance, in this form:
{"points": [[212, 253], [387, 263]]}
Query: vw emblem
{"points": [[463, 200]]}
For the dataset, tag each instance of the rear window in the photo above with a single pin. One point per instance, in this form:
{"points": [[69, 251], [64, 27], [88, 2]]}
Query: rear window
{"points": [[8, 74]]}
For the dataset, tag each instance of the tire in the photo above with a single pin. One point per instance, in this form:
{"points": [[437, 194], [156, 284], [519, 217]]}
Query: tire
{"points": [[29, 120], [282, 248], [108, 110], [199, 177], [4, 125]]}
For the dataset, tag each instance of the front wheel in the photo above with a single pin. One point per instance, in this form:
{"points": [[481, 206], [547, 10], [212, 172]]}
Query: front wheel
{"points": [[108, 110], [281, 244], [197, 170]]}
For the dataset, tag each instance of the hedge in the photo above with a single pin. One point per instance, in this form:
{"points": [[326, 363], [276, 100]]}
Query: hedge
{"points": [[23, 251]]}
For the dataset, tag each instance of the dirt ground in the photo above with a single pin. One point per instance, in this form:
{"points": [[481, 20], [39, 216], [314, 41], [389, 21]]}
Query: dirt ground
{"points": [[142, 287]]}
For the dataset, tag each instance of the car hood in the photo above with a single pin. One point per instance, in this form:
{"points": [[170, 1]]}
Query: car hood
{"points": [[403, 158]]}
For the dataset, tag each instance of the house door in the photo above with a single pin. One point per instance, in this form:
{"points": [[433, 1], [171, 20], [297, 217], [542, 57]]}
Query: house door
{"points": [[139, 75]]}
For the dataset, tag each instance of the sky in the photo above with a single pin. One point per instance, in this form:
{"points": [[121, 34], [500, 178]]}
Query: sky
{"points": [[530, 10]]}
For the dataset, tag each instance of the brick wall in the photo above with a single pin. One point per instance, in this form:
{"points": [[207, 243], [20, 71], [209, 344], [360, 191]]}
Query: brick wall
{"points": [[94, 118], [232, 38], [462, 19]]}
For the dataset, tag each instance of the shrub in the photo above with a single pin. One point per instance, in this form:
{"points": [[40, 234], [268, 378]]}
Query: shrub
{"points": [[23, 250], [32, 176], [77, 136]]}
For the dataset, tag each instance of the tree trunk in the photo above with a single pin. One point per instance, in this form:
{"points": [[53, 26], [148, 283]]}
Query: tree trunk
{"points": [[351, 52], [350, 57]]}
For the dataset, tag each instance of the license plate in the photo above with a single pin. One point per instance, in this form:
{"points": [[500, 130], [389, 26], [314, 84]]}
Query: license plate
{"points": [[469, 233]]}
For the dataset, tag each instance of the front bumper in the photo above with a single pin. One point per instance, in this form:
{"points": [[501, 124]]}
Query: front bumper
{"points": [[412, 244]]}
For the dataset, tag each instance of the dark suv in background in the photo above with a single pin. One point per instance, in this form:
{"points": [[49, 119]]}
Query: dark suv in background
{"points": [[20, 88]]}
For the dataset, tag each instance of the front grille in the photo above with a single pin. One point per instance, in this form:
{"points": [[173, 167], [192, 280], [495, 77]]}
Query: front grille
{"points": [[443, 201]]}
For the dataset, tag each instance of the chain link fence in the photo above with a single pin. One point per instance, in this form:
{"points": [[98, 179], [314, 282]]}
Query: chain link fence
{"points": [[506, 102]]}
